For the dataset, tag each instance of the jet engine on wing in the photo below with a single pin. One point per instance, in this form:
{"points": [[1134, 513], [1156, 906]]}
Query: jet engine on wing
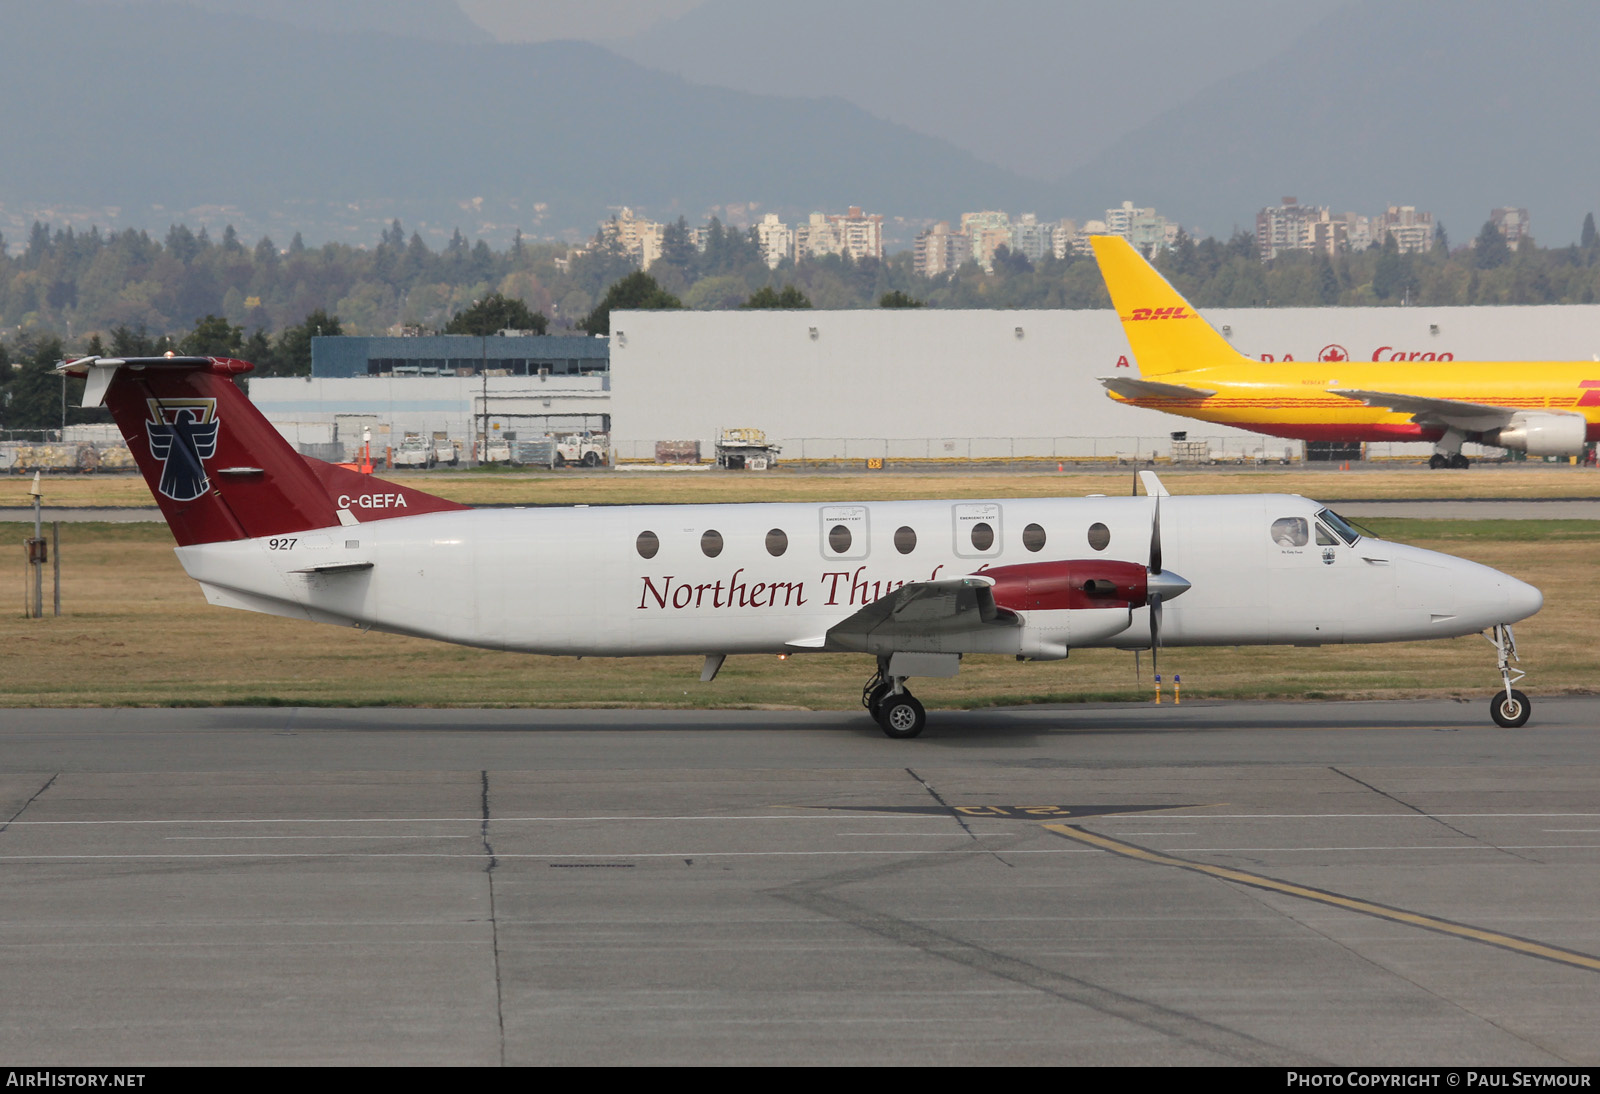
{"points": [[1540, 434]]}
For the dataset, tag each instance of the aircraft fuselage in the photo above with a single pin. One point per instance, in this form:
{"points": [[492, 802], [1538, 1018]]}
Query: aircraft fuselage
{"points": [[772, 578]]}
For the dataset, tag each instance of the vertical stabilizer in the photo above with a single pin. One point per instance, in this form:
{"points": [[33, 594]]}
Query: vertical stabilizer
{"points": [[1164, 331], [217, 467]]}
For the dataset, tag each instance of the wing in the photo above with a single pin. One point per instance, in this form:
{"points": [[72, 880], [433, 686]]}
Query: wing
{"points": [[1471, 417], [920, 615], [1129, 388]]}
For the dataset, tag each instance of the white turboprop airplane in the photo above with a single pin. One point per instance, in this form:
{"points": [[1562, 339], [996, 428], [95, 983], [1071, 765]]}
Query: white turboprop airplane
{"points": [[916, 584]]}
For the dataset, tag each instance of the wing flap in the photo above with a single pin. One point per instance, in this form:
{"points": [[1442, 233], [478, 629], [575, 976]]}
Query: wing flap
{"points": [[1473, 417], [923, 611]]}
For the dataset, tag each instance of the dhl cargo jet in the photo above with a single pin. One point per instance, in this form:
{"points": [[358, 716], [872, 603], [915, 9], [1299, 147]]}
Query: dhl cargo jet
{"points": [[1543, 408], [915, 584]]}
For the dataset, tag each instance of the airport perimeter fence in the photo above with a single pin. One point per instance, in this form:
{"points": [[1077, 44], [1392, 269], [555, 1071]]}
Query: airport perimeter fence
{"points": [[1197, 450]]}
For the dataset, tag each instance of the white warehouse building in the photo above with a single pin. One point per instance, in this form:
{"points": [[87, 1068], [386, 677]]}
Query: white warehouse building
{"points": [[931, 383]]}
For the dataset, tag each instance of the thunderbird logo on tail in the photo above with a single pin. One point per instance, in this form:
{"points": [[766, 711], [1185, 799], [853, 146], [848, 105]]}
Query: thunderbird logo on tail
{"points": [[183, 434]]}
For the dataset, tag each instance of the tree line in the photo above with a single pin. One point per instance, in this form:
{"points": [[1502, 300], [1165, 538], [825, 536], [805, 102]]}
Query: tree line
{"points": [[66, 292]]}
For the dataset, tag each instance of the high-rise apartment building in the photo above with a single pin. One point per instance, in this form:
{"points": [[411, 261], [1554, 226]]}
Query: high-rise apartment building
{"points": [[639, 238], [857, 234], [940, 251], [988, 231], [1295, 227], [1411, 231], [1030, 238], [1511, 223], [776, 238]]}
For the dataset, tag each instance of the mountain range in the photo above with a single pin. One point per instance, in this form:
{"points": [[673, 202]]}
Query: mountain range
{"points": [[332, 119]]}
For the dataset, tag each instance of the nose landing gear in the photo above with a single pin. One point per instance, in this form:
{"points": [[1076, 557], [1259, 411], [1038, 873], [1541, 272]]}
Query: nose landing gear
{"points": [[1509, 707]]}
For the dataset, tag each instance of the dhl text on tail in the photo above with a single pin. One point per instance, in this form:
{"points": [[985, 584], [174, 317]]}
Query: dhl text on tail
{"points": [[1543, 408]]}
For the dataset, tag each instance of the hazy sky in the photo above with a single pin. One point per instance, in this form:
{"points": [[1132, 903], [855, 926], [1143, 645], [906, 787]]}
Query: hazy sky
{"points": [[1035, 86], [590, 20]]}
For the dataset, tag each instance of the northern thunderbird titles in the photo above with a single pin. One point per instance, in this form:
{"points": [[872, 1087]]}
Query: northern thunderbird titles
{"points": [[848, 588]]}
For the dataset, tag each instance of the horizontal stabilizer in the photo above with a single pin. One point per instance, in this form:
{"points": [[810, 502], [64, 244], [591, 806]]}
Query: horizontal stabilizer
{"points": [[1129, 388]]}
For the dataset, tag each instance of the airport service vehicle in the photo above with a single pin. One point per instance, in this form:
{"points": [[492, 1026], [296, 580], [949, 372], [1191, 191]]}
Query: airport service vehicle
{"points": [[589, 449], [445, 450], [494, 449], [414, 450], [913, 584], [1543, 408], [746, 450]]}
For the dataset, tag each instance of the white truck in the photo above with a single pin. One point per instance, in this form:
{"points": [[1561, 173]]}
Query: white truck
{"points": [[445, 450], [415, 451], [495, 448], [589, 449]]}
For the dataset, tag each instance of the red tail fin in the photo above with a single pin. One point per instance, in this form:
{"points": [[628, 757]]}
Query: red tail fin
{"points": [[217, 467]]}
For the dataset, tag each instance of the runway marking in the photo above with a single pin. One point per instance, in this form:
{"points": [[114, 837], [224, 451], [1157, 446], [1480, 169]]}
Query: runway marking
{"points": [[1337, 900], [826, 813], [417, 835], [1003, 812], [897, 852], [1393, 847]]}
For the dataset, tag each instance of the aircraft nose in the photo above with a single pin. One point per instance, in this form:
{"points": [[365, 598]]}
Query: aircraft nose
{"points": [[1522, 599]]}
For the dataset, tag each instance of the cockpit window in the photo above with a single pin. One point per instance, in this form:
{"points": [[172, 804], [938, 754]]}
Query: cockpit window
{"points": [[1290, 532], [1324, 537], [1340, 526]]}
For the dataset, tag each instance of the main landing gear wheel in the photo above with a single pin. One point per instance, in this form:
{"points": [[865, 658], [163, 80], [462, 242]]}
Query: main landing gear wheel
{"points": [[1510, 711], [901, 716], [1436, 461], [1460, 462]]}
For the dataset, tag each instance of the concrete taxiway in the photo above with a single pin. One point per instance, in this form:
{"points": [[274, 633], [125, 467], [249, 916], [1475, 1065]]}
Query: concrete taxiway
{"points": [[1340, 883]]}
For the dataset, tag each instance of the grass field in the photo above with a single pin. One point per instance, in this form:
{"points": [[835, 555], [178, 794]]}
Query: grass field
{"points": [[623, 487], [137, 631]]}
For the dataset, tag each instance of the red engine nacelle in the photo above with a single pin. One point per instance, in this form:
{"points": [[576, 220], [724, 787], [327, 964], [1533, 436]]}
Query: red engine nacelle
{"points": [[1073, 583]]}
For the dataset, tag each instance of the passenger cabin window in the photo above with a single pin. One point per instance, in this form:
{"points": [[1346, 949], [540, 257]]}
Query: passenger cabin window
{"points": [[844, 531], [777, 542], [1033, 537], [1290, 532], [1099, 536], [905, 540], [711, 544], [647, 545], [977, 529]]}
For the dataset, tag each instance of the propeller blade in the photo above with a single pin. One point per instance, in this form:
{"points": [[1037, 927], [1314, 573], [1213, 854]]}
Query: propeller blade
{"points": [[1155, 632], [1155, 539]]}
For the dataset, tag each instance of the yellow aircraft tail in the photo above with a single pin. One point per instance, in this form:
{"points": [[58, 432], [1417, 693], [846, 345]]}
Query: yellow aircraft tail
{"points": [[1163, 329]]}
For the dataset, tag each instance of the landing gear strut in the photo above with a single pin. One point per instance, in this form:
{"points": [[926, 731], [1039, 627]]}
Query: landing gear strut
{"points": [[1509, 707], [892, 706], [1447, 452]]}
